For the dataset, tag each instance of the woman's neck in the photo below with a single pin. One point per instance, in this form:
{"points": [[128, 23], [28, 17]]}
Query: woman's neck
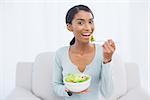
{"points": [[81, 48]]}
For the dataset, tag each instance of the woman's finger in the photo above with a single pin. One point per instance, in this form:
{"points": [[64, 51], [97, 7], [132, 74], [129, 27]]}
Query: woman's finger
{"points": [[109, 47], [112, 43], [85, 91], [106, 49]]}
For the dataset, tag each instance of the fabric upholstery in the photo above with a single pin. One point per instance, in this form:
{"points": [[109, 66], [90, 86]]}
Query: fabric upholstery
{"points": [[33, 81], [135, 94], [42, 77], [22, 94], [24, 75]]}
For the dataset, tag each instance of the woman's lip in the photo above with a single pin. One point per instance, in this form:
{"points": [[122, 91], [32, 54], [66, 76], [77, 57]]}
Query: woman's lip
{"points": [[86, 34]]}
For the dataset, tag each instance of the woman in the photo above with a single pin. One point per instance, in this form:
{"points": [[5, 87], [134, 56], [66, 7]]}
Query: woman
{"points": [[83, 57]]}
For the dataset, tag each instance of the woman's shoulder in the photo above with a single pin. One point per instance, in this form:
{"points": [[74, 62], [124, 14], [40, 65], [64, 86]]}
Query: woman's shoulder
{"points": [[99, 50], [62, 50]]}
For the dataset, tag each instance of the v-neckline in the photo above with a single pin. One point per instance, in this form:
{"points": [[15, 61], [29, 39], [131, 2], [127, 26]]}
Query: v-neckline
{"points": [[87, 66]]}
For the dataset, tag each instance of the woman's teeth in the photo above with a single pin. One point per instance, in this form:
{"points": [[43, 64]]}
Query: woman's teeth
{"points": [[86, 34]]}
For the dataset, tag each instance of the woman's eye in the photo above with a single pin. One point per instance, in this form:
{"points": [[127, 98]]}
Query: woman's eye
{"points": [[91, 22], [81, 23]]}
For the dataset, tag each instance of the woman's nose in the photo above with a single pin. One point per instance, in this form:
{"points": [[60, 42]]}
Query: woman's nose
{"points": [[87, 27]]}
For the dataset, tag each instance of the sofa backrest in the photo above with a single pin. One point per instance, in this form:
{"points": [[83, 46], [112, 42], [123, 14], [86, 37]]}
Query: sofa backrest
{"points": [[133, 75], [42, 77], [24, 75]]}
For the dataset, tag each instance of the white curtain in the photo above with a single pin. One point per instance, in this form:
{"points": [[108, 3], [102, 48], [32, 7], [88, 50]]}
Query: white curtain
{"points": [[30, 27]]}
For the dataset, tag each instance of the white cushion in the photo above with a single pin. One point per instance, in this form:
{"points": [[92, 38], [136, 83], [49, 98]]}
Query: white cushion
{"points": [[133, 75], [136, 94], [119, 77], [24, 75], [21, 94], [42, 77]]}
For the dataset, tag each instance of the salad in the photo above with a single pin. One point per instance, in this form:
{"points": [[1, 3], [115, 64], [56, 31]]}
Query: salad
{"points": [[92, 39], [76, 78]]}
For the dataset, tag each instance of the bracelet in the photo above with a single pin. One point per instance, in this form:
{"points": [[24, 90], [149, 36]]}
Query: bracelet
{"points": [[104, 62]]}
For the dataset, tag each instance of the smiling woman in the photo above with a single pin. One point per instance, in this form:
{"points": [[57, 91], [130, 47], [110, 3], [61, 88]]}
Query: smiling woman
{"points": [[83, 57], [30, 27], [77, 19], [82, 25]]}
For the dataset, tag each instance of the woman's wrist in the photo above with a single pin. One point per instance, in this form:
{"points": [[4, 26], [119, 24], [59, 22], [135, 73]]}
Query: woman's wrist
{"points": [[106, 61]]}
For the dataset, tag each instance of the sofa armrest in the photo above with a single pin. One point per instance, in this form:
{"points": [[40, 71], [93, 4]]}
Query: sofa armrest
{"points": [[24, 75], [133, 76], [136, 94], [21, 94]]}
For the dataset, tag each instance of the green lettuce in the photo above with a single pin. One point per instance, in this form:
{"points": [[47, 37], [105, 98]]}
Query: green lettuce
{"points": [[76, 78]]}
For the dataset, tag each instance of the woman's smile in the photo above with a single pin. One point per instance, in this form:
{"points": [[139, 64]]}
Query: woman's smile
{"points": [[85, 35]]}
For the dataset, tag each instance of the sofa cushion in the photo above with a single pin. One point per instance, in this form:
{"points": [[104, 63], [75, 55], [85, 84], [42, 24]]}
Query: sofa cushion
{"points": [[136, 94], [42, 76], [119, 77], [20, 93], [24, 74], [133, 79]]}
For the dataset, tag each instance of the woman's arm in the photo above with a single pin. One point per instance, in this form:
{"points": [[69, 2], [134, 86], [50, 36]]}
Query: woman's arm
{"points": [[58, 86], [106, 83]]}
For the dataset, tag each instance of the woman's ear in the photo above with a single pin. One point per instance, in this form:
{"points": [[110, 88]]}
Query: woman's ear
{"points": [[69, 27]]}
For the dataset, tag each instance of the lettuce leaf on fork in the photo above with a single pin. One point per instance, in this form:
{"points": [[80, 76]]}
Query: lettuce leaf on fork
{"points": [[92, 39]]}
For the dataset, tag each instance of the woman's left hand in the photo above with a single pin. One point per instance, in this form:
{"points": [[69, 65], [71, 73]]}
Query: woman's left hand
{"points": [[108, 50]]}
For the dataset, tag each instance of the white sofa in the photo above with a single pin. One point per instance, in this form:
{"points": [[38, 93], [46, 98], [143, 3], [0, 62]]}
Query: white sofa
{"points": [[33, 80]]}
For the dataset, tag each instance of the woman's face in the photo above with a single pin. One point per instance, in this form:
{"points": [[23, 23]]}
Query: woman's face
{"points": [[82, 26]]}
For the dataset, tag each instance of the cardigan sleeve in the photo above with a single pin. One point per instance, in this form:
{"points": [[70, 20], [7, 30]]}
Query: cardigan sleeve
{"points": [[57, 81], [106, 82]]}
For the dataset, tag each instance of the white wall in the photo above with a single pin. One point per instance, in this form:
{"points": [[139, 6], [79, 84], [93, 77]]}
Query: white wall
{"points": [[30, 27], [149, 46]]}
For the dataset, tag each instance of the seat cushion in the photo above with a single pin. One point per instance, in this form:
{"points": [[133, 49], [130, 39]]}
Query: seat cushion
{"points": [[21, 94], [42, 76], [136, 94], [119, 77]]}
